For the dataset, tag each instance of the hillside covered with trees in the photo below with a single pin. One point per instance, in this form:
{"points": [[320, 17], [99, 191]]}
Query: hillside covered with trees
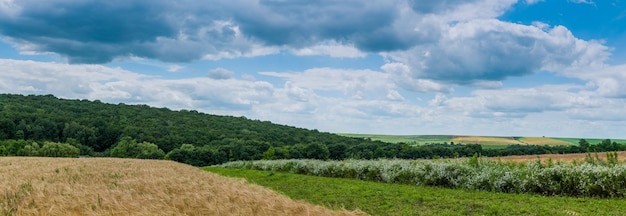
{"points": [[48, 126]]}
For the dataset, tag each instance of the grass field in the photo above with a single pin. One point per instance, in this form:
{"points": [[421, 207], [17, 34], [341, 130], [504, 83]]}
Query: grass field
{"points": [[103, 186], [396, 199], [486, 141]]}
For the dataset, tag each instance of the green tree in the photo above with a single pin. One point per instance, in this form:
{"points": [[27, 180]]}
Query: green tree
{"points": [[7, 128], [149, 151], [270, 154], [584, 145], [84, 150], [129, 148], [337, 151], [316, 150], [53, 149], [126, 148], [3, 150], [31, 149]]}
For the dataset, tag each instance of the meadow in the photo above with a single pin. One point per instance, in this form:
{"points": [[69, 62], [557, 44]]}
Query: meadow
{"points": [[106, 186], [378, 198], [593, 177]]}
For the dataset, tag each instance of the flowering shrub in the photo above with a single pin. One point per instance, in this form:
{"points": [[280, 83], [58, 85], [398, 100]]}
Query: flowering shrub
{"points": [[561, 179]]}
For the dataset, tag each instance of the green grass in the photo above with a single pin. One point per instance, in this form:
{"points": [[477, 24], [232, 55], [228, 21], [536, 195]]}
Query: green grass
{"points": [[395, 199]]}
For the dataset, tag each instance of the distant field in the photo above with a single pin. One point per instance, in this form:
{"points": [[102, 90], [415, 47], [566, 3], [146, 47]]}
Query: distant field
{"points": [[593, 141], [580, 157], [104, 186], [487, 141], [411, 139]]}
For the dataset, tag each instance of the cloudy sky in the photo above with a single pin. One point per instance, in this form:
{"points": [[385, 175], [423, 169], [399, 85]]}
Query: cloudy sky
{"points": [[465, 67]]}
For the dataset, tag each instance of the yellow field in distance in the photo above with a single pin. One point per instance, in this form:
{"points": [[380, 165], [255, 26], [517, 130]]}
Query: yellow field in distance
{"points": [[106, 186], [487, 140]]}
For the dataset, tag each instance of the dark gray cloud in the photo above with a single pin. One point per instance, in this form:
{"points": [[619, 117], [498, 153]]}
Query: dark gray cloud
{"points": [[93, 31], [429, 6], [490, 50], [368, 24], [87, 31], [449, 41]]}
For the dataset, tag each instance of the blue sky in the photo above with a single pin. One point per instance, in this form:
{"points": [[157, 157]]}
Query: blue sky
{"points": [[478, 67]]}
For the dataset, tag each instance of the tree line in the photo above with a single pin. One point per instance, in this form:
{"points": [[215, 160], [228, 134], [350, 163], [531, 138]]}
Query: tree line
{"points": [[36, 125]]}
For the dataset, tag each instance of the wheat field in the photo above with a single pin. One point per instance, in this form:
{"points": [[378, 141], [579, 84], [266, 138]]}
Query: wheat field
{"points": [[106, 186], [485, 140]]}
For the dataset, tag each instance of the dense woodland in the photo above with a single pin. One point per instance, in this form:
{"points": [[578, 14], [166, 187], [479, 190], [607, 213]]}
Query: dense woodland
{"points": [[47, 126]]}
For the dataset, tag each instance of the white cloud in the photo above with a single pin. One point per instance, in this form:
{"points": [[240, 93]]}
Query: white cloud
{"points": [[430, 47], [118, 85], [9, 8], [394, 95], [306, 100], [364, 84], [174, 68], [530, 2], [490, 50], [400, 74], [332, 49], [582, 2], [220, 73]]}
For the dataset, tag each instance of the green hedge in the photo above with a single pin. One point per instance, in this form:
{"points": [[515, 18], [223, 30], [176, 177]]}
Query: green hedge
{"points": [[587, 179]]}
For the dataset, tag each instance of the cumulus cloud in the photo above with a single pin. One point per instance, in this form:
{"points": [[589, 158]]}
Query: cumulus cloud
{"points": [[118, 85], [394, 95], [400, 74], [332, 49], [97, 32], [582, 2], [438, 43], [92, 31], [220, 73], [358, 84], [493, 50], [428, 47], [521, 102], [174, 68], [533, 1]]}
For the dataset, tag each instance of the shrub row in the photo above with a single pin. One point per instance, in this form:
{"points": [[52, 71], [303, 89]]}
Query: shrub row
{"points": [[548, 179]]}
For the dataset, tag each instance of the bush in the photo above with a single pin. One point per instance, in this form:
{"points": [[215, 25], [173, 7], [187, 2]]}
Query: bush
{"points": [[129, 148], [52, 149], [587, 179]]}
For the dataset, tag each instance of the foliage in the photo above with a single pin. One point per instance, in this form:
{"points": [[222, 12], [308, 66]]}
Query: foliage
{"points": [[129, 148], [397, 199], [139, 131], [53, 149], [548, 179], [196, 156]]}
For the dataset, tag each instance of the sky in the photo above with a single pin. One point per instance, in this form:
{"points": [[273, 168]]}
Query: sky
{"points": [[551, 68]]}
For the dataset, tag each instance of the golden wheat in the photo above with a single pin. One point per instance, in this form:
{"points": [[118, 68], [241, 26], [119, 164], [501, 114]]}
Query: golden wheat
{"points": [[106, 186]]}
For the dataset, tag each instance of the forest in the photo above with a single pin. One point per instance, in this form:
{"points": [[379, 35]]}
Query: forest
{"points": [[43, 125]]}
